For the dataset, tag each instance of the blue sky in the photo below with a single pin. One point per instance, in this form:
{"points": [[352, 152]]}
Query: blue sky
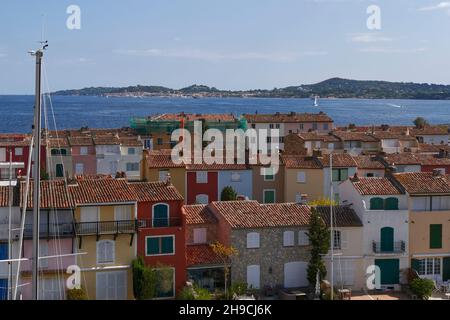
{"points": [[233, 44]]}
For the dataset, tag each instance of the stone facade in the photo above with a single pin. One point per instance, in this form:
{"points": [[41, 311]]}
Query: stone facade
{"points": [[270, 255]]}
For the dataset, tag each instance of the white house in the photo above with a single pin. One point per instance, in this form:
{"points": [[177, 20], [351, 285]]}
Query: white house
{"points": [[382, 206], [130, 158], [107, 149]]}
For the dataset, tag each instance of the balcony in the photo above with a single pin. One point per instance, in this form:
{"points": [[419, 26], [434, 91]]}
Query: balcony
{"points": [[160, 223], [396, 247], [50, 230], [105, 227]]}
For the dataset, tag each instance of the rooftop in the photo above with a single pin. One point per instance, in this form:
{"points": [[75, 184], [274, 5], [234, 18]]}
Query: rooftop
{"points": [[375, 186], [424, 182], [201, 254], [368, 162], [155, 191], [288, 117], [343, 216], [199, 214]]}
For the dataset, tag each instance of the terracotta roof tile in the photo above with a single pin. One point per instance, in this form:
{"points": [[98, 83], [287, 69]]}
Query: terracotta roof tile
{"points": [[355, 136], [161, 159], [314, 136], [343, 216], [4, 196], [155, 191], [368, 162], [106, 140], [404, 158], [102, 191], [54, 194], [424, 182], [288, 117], [251, 214], [80, 141], [430, 130], [375, 186], [300, 162], [392, 135], [433, 148], [342, 160], [201, 255], [199, 214]]}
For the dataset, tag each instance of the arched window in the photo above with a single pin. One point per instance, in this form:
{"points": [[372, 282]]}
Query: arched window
{"points": [[391, 204], [105, 251], [160, 214], [376, 204]]}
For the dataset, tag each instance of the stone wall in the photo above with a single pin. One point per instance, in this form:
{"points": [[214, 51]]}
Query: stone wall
{"points": [[271, 254]]}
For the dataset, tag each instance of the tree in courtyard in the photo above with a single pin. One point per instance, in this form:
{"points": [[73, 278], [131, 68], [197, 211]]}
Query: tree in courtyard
{"points": [[225, 253], [228, 194], [319, 238]]}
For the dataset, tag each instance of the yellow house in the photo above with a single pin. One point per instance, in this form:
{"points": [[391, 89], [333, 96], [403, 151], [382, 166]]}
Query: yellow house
{"points": [[105, 226], [303, 178], [429, 222], [158, 165]]}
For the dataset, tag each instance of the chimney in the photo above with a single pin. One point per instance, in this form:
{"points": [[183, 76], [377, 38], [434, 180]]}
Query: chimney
{"points": [[355, 177], [168, 179], [317, 153]]}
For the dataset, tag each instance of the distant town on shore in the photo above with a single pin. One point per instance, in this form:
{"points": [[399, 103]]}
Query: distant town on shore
{"points": [[331, 88]]}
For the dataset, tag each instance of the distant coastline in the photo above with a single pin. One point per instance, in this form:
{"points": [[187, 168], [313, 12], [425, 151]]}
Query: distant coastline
{"points": [[334, 88]]}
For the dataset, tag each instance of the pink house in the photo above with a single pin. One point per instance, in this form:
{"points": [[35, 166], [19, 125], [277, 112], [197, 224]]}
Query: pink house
{"points": [[83, 155]]}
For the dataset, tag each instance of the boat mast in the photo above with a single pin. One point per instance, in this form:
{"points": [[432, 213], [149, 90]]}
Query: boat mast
{"points": [[331, 225], [37, 173], [9, 227]]}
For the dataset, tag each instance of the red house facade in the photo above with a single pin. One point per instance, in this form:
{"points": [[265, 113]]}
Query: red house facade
{"points": [[201, 186], [162, 232]]}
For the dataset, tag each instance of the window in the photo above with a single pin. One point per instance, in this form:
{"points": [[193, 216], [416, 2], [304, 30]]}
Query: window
{"points": [[58, 152], [370, 175], [202, 199], [235, 177], [314, 125], [435, 236], [201, 176], [340, 174], [165, 285], [159, 141], [440, 203], [277, 126], [43, 253], [79, 168], [300, 126], [269, 196], [200, 235], [337, 244], [131, 151], [105, 251], [391, 204], [301, 177], [148, 144], [122, 213], [163, 175], [376, 204], [83, 151], [19, 152], [252, 240], [420, 203], [51, 289], [428, 266], [132, 166], [269, 139], [330, 146], [253, 126], [303, 238], [111, 285], [271, 126], [268, 174], [59, 170], [325, 126], [160, 215], [288, 239], [164, 245]]}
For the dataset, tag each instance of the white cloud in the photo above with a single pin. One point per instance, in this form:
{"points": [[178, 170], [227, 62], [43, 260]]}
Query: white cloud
{"points": [[369, 37], [217, 56], [391, 50], [440, 6], [3, 55]]}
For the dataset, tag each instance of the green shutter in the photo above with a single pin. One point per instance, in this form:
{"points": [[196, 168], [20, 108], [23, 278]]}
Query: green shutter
{"points": [[160, 216], [435, 236], [387, 239], [344, 175], [63, 152], [335, 174], [391, 204], [167, 245], [446, 269], [376, 204], [415, 265], [269, 196], [152, 246], [59, 170]]}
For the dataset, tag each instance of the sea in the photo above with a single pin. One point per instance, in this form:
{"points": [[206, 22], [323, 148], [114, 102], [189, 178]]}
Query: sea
{"points": [[72, 112]]}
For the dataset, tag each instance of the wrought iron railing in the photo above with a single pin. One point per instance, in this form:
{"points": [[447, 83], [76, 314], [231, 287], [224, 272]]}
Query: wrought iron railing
{"points": [[160, 223], [396, 247], [50, 230], [106, 227]]}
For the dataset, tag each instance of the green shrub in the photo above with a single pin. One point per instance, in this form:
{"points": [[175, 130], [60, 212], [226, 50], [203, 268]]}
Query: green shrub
{"points": [[228, 194], [76, 294], [194, 293], [423, 288], [144, 280]]}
